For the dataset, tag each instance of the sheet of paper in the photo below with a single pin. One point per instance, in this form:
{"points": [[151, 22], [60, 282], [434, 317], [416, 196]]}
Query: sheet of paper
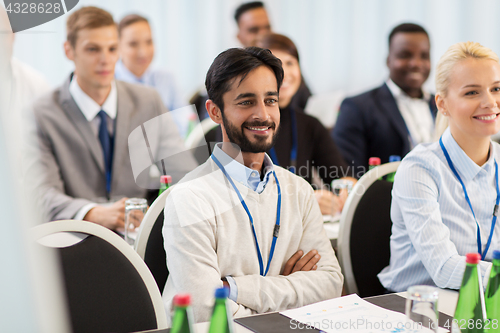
{"points": [[352, 314]]}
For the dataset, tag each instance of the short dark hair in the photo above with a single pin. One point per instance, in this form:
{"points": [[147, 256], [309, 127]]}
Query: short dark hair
{"points": [[86, 18], [238, 62], [407, 27], [274, 41], [246, 7], [129, 20]]}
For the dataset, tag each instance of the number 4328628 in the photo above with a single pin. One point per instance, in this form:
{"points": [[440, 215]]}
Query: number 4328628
{"points": [[26, 7]]}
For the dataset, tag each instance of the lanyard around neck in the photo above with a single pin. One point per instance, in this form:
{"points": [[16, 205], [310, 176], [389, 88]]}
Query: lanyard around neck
{"points": [[495, 210], [276, 227], [293, 152]]}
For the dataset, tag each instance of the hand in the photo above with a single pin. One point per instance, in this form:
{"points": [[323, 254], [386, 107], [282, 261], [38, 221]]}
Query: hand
{"points": [[339, 201], [329, 203], [135, 217], [326, 202], [226, 284], [299, 263], [111, 217]]}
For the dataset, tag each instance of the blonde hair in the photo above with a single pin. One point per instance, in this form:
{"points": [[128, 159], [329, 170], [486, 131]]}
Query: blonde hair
{"points": [[453, 55], [440, 126]]}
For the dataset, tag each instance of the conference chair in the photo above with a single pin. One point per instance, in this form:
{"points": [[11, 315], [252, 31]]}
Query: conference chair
{"points": [[108, 286], [365, 231], [149, 241]]}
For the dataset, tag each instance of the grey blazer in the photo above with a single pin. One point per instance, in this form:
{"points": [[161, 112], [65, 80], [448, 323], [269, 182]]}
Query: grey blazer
{"points": [[71, 162]]}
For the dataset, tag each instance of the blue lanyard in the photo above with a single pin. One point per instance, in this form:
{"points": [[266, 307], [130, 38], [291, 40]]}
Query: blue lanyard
{"points": [[276, 227], [495, 211], [293, 152]]}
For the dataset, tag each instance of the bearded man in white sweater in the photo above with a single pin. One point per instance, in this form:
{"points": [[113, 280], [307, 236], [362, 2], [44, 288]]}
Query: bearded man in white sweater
{"points": [[240, 221]]}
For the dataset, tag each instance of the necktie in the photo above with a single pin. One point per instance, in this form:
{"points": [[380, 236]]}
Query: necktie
{"points": [[107, 147]]}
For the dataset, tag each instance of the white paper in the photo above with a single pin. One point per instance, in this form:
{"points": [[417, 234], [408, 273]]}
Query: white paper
{"points": [[352, 314]]}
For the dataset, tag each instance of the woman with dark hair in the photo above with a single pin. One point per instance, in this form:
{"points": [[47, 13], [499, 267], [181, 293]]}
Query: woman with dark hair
{"points": [[303, 143]]}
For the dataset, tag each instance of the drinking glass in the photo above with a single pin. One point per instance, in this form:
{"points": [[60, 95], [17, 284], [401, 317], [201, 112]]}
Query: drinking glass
{"points": [[341, 185], [422, 306], [135, 208]]}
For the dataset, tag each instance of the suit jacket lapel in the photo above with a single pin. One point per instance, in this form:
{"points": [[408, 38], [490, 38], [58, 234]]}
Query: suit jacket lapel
{"points": [[125, 111], [387, 104], [81, 124], [433, 107]]}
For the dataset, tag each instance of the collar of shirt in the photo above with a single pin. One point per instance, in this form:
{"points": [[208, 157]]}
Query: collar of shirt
{"points": [[242, 174], [399, 93], [88, 106], [416, 114], [124, 74], [466, 167]]}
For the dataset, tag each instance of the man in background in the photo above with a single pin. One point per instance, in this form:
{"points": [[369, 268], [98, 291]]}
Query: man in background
{"points": [[252, 21], [395, 117], [87, 127]]}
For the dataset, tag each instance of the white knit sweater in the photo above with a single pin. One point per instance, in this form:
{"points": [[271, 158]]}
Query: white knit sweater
{"points": [[208, 236]]}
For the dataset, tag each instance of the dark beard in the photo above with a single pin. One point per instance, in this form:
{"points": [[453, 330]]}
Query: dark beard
{"points": [[238, 137]]}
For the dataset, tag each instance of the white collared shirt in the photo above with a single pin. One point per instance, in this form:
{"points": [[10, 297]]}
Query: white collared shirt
{"points": [[90, 108], [416, 114]]}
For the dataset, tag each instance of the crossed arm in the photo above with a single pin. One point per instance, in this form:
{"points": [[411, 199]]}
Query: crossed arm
{"points": [[198, 257]]}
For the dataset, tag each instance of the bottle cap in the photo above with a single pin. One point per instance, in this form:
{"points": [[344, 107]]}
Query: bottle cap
{"points": [[182, 300], [473, 258], [222, 292], [496, 254], [166, 179], [374, 161], [394, 158]]}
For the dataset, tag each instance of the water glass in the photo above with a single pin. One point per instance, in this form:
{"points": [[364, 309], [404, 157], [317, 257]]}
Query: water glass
{"points": [[341, 189], [422, 306], [135, 208], [341, 185]]}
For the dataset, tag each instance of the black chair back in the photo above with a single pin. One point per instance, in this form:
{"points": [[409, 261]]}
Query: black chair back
{"points": [[105, 292], [155, 256], [370, 238]]}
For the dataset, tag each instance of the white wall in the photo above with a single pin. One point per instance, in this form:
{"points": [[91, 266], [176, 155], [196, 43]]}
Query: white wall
{"points": [[342, 43]]}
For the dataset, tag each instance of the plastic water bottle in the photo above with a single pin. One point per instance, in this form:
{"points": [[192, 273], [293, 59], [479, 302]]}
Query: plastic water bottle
{"points": [[165, 182], [182, 321], [392, 158], [493, 296], [373, 162], [222, 319], [470, 312]]}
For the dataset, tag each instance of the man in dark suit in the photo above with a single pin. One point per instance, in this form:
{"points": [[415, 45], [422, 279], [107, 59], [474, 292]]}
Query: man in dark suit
{"points": [[393, 118], [252, 21], [97, 137]]}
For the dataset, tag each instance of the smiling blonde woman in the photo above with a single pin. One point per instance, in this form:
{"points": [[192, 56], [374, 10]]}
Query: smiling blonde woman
{"points": [[445, 192]]}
